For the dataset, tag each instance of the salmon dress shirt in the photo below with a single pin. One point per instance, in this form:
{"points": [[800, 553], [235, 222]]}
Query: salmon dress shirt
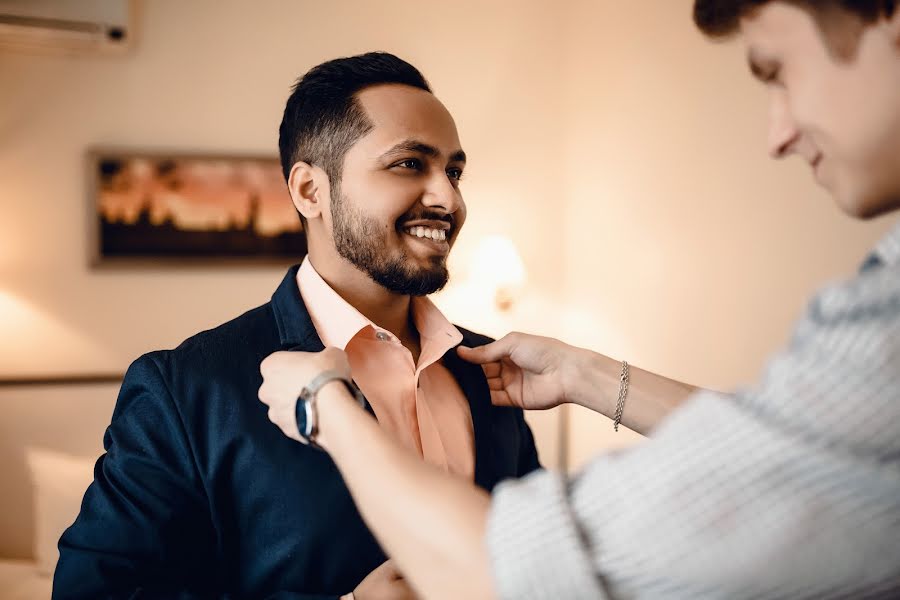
{"points": [[421, 403]]}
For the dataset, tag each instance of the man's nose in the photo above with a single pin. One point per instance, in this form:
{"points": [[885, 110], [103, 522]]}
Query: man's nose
{"points": [[783, 131], [442, 193]]}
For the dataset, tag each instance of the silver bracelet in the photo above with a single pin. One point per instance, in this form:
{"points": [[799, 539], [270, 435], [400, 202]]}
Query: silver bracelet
{"points": [[623, 392]]}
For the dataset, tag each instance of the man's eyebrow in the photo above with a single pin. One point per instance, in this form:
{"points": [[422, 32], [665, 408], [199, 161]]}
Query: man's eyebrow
{"points": [[422, 148]]}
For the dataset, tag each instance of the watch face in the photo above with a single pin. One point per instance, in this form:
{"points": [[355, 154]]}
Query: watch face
{"points": [[303, 417]]}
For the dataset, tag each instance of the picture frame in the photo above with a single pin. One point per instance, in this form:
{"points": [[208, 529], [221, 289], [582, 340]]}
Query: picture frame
{"points": [[178, 208]]}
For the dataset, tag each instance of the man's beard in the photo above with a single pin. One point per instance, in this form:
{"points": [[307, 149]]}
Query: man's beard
{"points": [[361, 240]]}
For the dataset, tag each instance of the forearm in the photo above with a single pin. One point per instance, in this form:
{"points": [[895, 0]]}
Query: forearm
{"points": [[650, 399], [431, 523]]}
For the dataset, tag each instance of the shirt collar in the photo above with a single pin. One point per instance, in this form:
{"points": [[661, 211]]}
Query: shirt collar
{"points": [[436, 334], [887, 252], [337, 321]]}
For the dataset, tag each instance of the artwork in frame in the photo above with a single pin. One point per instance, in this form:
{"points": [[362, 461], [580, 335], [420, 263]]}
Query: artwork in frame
{"points": [[189, 208]]}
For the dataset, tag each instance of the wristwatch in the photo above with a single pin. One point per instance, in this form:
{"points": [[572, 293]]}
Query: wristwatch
{"points": [[305, 410]]}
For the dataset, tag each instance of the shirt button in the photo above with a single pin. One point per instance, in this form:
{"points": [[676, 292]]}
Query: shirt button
{"points": [[382, 336]]}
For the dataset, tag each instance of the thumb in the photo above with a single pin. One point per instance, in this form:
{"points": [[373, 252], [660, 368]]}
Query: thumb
{"points": [[488, 353], [391, 570]]}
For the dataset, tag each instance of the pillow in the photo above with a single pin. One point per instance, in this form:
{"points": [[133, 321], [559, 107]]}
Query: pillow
{"points": [[59, 481]]}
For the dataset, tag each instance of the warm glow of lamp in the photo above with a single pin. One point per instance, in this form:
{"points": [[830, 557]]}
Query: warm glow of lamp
{"points": [[36, 342], [497, 266]]}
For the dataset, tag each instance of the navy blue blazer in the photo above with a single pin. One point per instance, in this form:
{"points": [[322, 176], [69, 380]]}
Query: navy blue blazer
{"points": [[200, 495]]}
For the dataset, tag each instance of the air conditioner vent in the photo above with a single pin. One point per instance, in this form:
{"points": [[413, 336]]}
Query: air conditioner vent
{"points": [[66, 25]]}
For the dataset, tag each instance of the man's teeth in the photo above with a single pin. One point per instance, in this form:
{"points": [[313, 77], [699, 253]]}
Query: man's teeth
{"points": [[426, 232]]}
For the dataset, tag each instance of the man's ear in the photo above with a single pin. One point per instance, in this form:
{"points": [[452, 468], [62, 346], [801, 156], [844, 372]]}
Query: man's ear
{"points": [[307, 185]]}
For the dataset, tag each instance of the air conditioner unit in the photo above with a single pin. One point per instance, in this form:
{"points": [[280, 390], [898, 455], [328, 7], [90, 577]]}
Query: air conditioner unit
{"points": [[69, 26]]}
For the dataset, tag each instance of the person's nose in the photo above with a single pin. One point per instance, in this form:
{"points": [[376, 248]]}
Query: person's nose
{"points": [[441, 193], [783, 130]]}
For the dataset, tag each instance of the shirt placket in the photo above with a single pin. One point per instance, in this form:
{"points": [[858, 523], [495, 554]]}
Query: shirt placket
{"points": [[406, 388]]}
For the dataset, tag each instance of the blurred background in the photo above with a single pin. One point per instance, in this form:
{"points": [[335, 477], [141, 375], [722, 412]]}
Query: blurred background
{"points": [[619, 196]]}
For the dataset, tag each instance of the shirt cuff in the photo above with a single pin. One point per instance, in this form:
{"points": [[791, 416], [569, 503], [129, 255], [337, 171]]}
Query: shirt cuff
{"points": [[535, 546]]}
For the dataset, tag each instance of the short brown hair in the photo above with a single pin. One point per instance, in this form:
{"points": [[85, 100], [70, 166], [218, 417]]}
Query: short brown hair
{"points": [[720, 18]]}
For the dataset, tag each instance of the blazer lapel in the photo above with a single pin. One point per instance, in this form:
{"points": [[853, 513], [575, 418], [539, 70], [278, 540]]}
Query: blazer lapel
{"points": [[295, 327]]}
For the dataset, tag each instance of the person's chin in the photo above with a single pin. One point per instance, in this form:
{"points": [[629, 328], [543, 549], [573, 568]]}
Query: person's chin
{"points": [[432, 280], [864, 206]]}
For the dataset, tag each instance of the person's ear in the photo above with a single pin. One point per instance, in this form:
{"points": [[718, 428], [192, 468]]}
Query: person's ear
{"points": [[308, 184]]}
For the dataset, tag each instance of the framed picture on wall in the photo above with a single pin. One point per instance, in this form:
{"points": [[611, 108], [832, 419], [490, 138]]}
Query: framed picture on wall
{"points": [[155, 207]]}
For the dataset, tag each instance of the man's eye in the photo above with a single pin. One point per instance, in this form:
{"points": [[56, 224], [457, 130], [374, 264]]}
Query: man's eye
{"points": [[410, 163], [455, 174]]}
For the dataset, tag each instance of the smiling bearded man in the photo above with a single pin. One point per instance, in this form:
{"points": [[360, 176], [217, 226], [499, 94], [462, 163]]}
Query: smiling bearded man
{"points": [[199, 493]]}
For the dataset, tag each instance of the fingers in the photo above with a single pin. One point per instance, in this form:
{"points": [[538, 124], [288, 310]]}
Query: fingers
{"points": [[495, 383], [501, 398], [491, 369], [493, 372], [271, 363], [385, 582], [389, 571], [492, 352]]}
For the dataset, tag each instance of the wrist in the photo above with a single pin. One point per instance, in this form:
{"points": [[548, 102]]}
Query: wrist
{"points": [[593, 376], [333, 398], [575, 374]]}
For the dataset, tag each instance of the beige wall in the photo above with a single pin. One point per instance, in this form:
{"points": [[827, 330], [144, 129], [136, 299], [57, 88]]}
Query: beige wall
{"points": [[689, 248], [621, 152], [213, 76]]}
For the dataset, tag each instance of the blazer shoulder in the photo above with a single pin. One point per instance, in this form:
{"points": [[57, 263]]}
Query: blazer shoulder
{"points": [[254, 328], [232, 349]]}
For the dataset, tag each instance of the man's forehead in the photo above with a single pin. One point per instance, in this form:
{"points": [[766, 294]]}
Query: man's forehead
{"points": [[778, 30], [394, 104], [773, 23], [404, 118]]}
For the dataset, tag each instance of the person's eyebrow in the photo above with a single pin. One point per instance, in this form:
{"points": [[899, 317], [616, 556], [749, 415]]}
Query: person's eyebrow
{"points": [[422, 148]]}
